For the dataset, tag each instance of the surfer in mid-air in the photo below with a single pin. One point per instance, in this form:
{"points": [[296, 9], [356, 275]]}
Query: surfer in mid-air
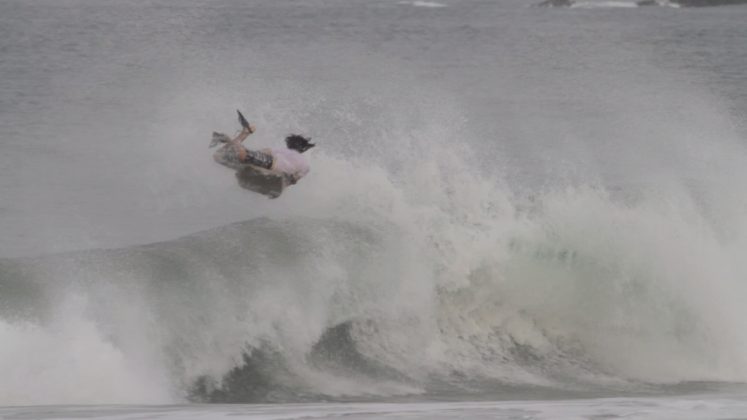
{"points": [[266, 171]]}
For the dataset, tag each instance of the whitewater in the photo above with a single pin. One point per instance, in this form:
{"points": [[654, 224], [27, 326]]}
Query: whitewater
{"points": [[512, 212]]}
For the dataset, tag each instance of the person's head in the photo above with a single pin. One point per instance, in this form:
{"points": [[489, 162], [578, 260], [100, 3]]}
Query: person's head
{"points": [[298, 143]]}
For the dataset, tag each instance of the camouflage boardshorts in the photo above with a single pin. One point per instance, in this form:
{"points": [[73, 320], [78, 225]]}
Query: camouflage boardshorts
{"points": [[228, 156], [257, 158]]}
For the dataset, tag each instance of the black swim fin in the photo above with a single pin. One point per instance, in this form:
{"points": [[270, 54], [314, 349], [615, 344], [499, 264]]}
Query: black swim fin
{"points": [[244, 123]]}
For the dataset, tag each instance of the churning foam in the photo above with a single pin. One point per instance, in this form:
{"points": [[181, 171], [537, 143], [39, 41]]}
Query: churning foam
{"points": [[71, 361]]}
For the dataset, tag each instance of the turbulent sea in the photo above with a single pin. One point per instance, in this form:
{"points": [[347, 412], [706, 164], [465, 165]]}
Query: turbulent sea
{"points": [[512, 212]]}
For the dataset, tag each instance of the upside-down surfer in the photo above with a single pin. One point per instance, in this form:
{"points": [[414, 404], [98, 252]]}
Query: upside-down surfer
{"points": [[266, 171]]}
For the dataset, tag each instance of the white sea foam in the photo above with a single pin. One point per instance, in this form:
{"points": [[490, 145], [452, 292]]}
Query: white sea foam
{"points": [[431, 4], [71, 361], [604, 5]]}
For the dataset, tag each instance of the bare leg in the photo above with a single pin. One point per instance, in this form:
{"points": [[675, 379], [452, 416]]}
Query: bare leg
{"points": [[241, 137], [236, 143]]}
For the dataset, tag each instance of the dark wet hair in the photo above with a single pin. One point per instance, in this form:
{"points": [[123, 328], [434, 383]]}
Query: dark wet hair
{"points": [[298, 142]]}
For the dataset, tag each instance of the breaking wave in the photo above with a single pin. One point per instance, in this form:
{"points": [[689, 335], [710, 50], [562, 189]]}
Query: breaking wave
{"points": [[445, 283]]}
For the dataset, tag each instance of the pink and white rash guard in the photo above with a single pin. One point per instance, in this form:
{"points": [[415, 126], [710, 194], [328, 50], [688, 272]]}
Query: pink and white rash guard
{"points": [[289, 162]]}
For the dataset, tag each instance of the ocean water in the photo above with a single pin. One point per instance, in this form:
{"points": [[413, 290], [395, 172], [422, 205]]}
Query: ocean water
{"points": [[512, 212]]}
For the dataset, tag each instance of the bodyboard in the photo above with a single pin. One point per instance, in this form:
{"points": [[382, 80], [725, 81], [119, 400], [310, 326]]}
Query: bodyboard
{"points": [[261, 181], [250, 177]]}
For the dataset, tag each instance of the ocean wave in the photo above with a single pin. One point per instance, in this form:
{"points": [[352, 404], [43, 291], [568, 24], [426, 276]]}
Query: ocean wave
{"points": [[452, 289]]}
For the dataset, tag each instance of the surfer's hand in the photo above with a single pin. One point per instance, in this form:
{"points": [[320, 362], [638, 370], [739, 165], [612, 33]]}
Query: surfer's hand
{"points": [[252, 128]]}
